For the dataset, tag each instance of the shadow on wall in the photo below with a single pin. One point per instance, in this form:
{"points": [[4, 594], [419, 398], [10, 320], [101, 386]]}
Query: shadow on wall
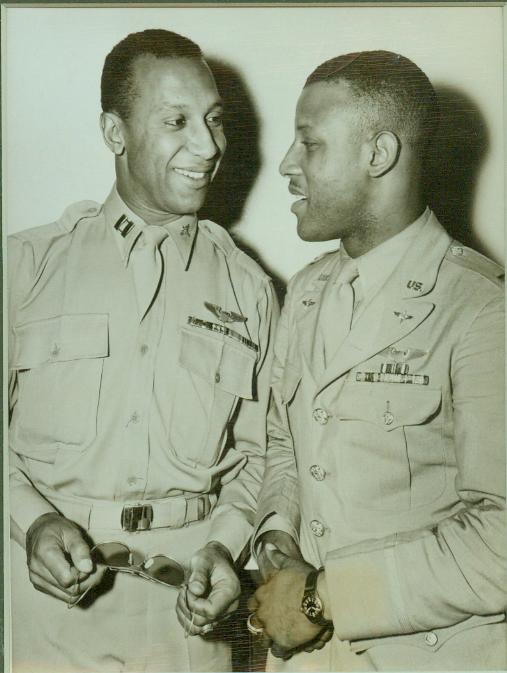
{"points": [[242, 160], [241, 163], [458, 151]]}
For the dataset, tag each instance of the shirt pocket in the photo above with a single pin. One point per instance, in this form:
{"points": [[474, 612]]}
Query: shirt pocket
{"points": [[214, 372], [59, 364], [390, 448]]}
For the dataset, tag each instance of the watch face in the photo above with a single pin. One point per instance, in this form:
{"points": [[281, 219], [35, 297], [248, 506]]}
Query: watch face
{"points": [[312, 607]]}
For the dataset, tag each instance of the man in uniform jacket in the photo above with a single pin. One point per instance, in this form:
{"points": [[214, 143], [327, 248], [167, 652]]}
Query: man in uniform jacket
{"points": [[137, 335], [381, 522]]}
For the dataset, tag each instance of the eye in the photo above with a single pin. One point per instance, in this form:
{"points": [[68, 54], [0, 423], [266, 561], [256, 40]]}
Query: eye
{"points": [[309, 144], [177, 123], [215, 120]]}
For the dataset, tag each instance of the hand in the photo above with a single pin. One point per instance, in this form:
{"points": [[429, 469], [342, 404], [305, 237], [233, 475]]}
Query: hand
{"points": [[316, 644], [212, 590], [277, 604], [269, 562], [59, 562]]}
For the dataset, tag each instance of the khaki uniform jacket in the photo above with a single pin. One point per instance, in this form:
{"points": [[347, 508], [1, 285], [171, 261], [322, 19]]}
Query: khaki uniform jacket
{"points": [[397, 489]]}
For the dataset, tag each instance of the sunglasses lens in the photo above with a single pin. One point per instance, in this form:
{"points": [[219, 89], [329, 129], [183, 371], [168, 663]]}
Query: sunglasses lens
{"points": [[164, 570], [113, 554]]}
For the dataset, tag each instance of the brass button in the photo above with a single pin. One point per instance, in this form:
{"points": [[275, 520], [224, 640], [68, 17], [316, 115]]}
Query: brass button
{"points": [[431, 639], [388, 418], [457, 250], [317, 528], [318, 472], [217, 377], [321, 416]]}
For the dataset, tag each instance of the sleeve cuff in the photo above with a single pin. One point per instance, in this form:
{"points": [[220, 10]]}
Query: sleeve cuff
{"points": [[273, 521], [364, 594], [27, 505], [230, 527]]}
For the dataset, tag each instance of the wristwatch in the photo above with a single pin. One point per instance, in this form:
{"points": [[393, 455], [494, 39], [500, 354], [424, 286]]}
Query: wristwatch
{"points": [[311, 605]]}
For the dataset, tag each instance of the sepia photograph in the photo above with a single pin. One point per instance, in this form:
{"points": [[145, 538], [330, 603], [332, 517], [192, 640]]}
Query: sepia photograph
{"points": [[254, 337]]}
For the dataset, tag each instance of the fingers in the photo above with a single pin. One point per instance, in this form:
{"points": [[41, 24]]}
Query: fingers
{"points": [[280, 652], [50, 565], [323, 637], [193, 623], [79, 551], [51, 588], [198, 582]]}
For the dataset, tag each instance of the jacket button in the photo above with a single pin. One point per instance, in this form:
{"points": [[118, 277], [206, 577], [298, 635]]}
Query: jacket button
{"points": [[317, 528], [431, 639], [318, 472], [217, 377], [321, 416]]}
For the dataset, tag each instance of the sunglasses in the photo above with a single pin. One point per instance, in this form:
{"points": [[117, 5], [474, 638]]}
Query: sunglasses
{"points": [[119, 558]]}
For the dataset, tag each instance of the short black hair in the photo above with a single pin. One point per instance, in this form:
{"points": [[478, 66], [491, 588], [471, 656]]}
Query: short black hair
{"points": [[392, 93], [117, 82]]}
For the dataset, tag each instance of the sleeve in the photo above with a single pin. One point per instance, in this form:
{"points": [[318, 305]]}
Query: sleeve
{"points": [[278, 500], [437, 577], [25, 503], [233, 517]]}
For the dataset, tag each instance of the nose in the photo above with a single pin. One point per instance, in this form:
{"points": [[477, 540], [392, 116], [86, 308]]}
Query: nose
{"points": [[289, 165], [202, 143]]}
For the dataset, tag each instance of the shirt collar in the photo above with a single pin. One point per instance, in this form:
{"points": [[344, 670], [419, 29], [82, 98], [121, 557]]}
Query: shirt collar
{"points": [[127, 227], [376, 265]]}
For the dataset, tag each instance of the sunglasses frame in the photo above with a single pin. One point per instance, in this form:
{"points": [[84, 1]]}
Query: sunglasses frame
{"points": [[132, 569]]}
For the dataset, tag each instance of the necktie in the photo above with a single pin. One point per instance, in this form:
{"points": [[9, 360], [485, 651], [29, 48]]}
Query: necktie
{"points": [[336, 314], [148, 266]]}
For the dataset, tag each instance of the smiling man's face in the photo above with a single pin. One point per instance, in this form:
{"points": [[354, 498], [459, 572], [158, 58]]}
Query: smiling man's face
{"points": [[325, 164], [173, 137]]}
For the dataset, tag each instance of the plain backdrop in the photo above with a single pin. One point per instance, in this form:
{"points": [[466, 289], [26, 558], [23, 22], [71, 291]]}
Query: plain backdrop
{"points": [[54, 154]]}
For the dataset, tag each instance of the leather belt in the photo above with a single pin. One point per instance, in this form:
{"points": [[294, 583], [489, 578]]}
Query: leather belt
{"points": [[173, 512]]}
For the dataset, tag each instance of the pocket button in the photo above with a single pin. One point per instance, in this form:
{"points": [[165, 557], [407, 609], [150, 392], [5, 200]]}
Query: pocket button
{"points": [[318, 472], [321, 416], [431, 639]]}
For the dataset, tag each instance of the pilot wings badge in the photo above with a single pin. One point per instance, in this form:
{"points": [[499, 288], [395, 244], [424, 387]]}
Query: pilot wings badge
{"points": [[223, 315]]}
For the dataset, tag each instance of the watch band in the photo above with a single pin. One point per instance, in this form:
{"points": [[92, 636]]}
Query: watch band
{"points": [[311, 604]]}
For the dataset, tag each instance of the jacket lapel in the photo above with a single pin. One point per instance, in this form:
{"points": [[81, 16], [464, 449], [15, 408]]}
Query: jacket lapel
{"points": [[398, 307]]}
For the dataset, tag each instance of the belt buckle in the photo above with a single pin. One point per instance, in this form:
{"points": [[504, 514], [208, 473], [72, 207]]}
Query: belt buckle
{"points": [[136, 517]]}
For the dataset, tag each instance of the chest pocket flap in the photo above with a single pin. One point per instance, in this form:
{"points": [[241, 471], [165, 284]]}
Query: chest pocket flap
{"points": [[388, 405], [220, 361], [61, 339]]}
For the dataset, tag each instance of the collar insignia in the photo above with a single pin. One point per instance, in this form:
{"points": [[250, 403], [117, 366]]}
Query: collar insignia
{"points": [[402, 316]]}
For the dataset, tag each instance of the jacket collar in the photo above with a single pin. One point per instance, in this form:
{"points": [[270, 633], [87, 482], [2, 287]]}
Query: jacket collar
{"points": [[397, 308], [127, 227]]}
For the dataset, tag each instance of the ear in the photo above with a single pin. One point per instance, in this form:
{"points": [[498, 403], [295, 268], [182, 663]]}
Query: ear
{"points": [[385, 150], [112, 132]]}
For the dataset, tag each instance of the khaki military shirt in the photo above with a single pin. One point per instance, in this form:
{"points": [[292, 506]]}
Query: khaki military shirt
{"points": [[109, 404]]}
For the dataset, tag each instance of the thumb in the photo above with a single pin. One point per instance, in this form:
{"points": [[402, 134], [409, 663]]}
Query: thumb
{"points": [[199, 576], [79, 551]]}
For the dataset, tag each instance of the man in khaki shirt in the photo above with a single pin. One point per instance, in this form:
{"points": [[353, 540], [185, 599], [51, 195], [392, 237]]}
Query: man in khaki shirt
{"points": [[139, 359], [383, 505]]}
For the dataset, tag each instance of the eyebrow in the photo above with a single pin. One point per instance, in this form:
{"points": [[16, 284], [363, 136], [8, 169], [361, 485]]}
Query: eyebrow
{"points": [[176, 106]]}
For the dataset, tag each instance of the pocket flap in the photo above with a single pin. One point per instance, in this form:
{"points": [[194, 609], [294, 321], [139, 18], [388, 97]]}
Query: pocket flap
{"points": [[227, 365], [62, 338], [388, 405]]}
